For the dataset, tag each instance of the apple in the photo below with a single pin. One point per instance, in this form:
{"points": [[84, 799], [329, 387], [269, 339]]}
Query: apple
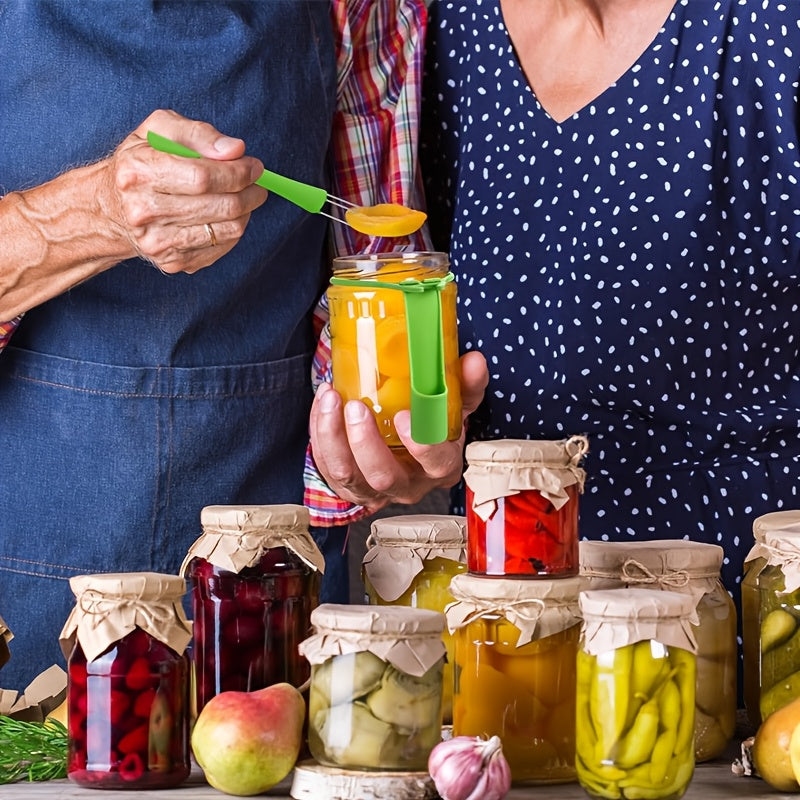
{"points": [[247, 742]]}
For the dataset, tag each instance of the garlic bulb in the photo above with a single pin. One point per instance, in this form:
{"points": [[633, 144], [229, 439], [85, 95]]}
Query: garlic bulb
{"points": [[470, 768]]}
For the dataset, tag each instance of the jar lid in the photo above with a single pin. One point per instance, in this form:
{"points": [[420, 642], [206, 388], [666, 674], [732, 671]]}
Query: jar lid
{"points": [[408, 638], [537, 607], [398, 547], [503, 467], [235, 537], [617, 617], [786, 522], [109, 606], [667, 563], [782, 549]]}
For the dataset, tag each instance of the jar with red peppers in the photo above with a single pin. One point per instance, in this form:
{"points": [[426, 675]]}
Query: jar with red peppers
{"points": [[255, 575], [128, 679], [522, 506]]}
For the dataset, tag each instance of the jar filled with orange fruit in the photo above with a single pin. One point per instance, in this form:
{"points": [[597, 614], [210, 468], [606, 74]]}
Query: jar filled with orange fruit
{"points": [[394, 341], [516, 645]]}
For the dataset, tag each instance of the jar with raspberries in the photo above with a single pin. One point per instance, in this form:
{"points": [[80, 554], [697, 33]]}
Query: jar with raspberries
{"points": [[255, 575], [128, 679]]}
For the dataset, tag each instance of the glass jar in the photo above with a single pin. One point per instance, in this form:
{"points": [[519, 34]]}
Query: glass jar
{"points": [[5, 637], [788, 523], [255, 576], [691, 568], [522, 506], [410, 561], [515, 644], [635, 694], [375, 701], [394, 341], [127, 681], [779, 621]]}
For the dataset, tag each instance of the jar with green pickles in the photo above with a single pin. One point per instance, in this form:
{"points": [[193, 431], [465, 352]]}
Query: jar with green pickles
{"points": [[779, 621], [786, 523], [515, 645], [410, 561], [635, 694], [375, 700], [691, 568]]}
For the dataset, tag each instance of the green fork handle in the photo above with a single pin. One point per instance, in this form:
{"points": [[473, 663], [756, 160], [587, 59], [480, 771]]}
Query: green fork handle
{"points": [[310, 198]]}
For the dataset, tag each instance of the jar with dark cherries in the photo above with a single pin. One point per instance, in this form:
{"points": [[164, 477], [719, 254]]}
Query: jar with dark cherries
{"points": [[128, 679], [522, 506], [254, 574]]}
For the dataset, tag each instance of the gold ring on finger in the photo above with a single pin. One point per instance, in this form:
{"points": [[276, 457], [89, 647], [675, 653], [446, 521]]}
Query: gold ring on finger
{"points": [[210, 232]]}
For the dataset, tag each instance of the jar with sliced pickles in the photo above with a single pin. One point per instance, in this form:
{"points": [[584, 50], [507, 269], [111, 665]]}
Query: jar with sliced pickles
{"points": [[410, 561], [788, 524], [691, 568], [515, 644], [394, 341], [375, 700], [779, 621], [635, 694]]}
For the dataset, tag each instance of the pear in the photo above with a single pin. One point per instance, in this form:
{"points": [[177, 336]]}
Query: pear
{"points": [[247, 742], [771, 748]]}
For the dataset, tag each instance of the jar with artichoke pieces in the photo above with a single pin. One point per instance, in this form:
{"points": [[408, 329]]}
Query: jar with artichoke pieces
{"points": [[522, 506], [375, 701], [515, 647], [410, 561], [255, 575], [635, 694], [786, 523], [691, 568], [128, 681], [779, 622]]}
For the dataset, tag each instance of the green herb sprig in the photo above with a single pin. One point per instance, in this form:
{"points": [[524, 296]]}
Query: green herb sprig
{"points": [[36, 751]]}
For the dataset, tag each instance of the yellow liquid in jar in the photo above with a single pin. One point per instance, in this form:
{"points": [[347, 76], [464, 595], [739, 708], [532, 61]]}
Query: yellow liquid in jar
{"points": [[369, 350]]}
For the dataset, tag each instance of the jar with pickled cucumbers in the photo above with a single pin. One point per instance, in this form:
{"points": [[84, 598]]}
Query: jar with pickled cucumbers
{"points": [[410, 561], [787, 523], [522, 506], [515, 645], [375, 701], [691, 568], [635, 694], [394, 341], [255, 575], [127, 681], [779, 621]]}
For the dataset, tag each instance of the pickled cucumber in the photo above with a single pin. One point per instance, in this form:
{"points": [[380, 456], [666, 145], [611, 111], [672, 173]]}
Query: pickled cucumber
{"points": [[776, 628]]}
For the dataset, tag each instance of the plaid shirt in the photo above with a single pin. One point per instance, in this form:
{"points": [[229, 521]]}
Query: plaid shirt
{"points": [[379, 51]]}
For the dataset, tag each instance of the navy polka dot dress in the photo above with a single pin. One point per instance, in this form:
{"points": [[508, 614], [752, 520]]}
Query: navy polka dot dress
{"points": [[633, 273]]}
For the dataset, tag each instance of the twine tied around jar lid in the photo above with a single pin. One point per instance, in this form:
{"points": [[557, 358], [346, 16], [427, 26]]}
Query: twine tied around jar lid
{"points": [[537, 608], [409, 639], [503, 467], [785, 522], [398, 547], [236, 537], [109, 606], [782, 549]]}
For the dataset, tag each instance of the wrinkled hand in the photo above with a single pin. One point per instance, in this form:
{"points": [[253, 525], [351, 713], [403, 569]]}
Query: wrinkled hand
{"points": [[163, 202], [355, 461]]}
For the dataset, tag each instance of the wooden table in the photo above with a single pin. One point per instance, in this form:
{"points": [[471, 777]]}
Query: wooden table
{"points": [[712, 781]]}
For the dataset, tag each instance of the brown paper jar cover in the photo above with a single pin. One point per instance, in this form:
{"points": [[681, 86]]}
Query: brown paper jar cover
{"points": [[783, 522], [537, 608], [502, 467], [109, 606], [235, 537], [409, 639], [614, 618], [397, 548], [782, 549]]}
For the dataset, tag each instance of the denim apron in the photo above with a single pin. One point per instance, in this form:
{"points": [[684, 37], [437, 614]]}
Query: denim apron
{"points": [[133, 400]]}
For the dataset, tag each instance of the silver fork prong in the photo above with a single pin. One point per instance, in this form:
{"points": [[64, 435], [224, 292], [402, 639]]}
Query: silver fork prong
{"points": [[330, 216], [340, 202]]}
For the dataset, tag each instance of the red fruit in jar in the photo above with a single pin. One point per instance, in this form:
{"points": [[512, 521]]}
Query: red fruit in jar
{"points": [[135, 741], [138, 674], [131, 767], [141, 706], [119, 704]]}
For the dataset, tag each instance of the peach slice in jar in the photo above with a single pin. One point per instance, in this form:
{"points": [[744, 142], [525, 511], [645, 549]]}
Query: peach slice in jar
{"points": [[385, 219]]}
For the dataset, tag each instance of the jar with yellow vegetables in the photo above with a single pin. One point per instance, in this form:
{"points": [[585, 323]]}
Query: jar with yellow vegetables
{"points": [[375, 700], [635, 694], [410, 561], [691, 568], [779, 621], [515, 645], [788, 524], [394, 341]]}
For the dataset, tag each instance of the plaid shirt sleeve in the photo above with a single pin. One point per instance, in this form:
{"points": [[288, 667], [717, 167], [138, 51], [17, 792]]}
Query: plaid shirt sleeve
{"points": [[6, 329], [379, 55]]}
